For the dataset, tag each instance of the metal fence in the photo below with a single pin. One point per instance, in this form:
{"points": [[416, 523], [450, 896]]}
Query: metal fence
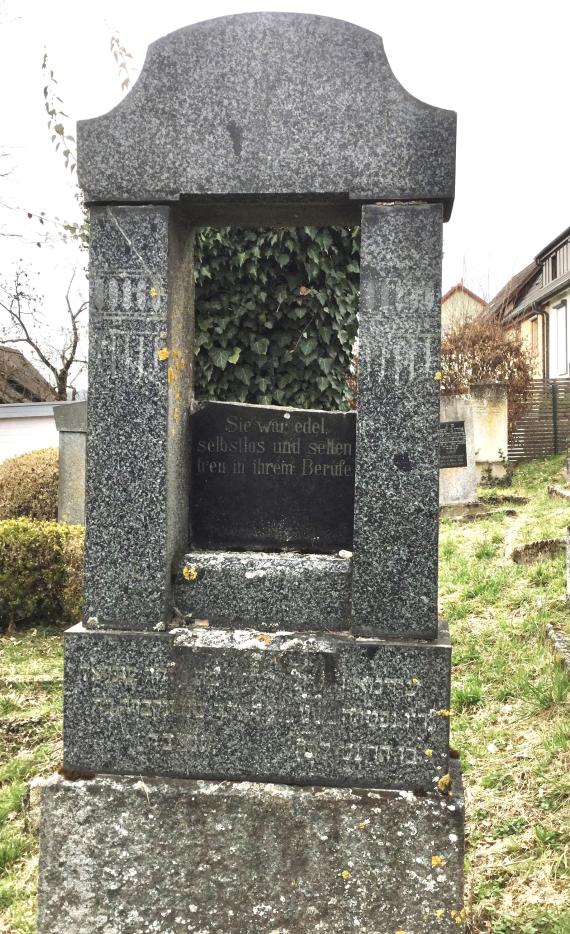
{"points": [[544, 426]]}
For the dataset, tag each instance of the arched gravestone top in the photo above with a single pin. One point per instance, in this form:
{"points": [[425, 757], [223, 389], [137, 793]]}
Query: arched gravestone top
{"points": [[270, 107]]}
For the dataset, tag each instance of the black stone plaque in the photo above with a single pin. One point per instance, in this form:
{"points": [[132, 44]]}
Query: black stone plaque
{"points": [[452, 444], [270, 478]]}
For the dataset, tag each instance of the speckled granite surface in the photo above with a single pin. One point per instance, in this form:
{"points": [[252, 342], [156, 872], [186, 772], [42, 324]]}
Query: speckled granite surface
{"points": [[143, 856], [397, 471], [289, 707], [268, 104], [238, 590], [136, 496]]}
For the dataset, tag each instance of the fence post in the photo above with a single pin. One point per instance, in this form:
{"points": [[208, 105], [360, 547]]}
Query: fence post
{"points": [[555, 416]]}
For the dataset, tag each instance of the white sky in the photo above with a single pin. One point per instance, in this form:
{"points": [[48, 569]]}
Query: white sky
{"points": [[503, 66]]}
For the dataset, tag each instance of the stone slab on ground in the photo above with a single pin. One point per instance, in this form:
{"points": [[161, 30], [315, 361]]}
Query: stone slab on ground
{"points": [[238, 589], [304, 708], [132, 856]]}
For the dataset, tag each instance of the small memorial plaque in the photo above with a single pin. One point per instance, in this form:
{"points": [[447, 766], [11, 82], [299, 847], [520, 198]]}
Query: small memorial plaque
{"points": [[270, 478], [452, 444]]}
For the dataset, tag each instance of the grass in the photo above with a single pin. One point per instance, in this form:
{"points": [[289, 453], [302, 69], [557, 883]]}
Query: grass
{"points": [[510, 709], [510, 722]]}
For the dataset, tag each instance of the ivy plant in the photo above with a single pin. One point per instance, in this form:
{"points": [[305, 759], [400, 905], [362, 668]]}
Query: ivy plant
{"points": [[276, 314]]}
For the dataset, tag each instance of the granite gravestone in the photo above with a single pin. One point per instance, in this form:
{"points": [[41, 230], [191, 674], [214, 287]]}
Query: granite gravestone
{"points": [[324, 671]]}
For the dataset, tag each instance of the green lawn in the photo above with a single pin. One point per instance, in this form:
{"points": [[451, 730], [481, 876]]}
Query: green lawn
{"points": [[510, 720]]}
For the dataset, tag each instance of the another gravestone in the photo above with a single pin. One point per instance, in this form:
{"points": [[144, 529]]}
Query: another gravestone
{"points": [[213, 659], [458, 474]]}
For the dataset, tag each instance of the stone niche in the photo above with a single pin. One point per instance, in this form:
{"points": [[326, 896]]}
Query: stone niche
{"points": [[257, 701]]}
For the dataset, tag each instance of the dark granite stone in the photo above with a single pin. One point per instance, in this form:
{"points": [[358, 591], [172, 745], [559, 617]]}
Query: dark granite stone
{"points": [[237, 590], [396, 495], [186, 857], [269, 105], [268, 478], [136, 497], [289, 707], [452, 444]]}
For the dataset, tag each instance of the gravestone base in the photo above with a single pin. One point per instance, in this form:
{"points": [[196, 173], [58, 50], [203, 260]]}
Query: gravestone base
{"points": [[125, 855], [243, 705]]}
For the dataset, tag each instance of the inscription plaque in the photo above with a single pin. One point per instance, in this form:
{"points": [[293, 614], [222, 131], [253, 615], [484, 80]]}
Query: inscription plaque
{"points": [[271, 478], [452, 444]]}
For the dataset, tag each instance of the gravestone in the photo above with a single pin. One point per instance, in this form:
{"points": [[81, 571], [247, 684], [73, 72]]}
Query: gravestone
{"points": [[257, 700], [71, 422], [458, 473]]}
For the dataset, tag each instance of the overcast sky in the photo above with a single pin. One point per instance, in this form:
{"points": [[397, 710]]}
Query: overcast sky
{"points": [[502, 66]]}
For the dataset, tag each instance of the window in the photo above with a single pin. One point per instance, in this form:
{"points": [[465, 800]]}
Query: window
{"points": [[534, 336], [553, 266], [558, 341]]}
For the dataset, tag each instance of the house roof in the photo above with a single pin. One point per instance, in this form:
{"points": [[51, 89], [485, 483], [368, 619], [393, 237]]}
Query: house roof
{"points": [[461, 288], [501, 306], [553, 244], [19, 379]]}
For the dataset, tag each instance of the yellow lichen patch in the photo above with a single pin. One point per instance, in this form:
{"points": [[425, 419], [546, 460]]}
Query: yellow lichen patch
{"points": [[437, 375], [171, 374], [415, 680], [346, 874], [400, 932], [444, 712], [293, 883], [438, 861], [458, 916], [362, 824], [440, 912], [190, 573], [163, 353], [263, 637], [444, 783], [153, 292]]}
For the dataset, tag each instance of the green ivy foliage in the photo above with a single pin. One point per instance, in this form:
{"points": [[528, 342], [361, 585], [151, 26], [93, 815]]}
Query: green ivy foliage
{"points": [[276, 315]]}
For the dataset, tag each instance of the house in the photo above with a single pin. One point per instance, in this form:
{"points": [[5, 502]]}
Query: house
{"points": [[19, 379], [459, 304], [26, 407], [535, 301]]}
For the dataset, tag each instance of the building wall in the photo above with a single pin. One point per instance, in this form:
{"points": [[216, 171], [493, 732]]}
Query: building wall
{"points": [[20, 433], [532, 333], [457, 308]]}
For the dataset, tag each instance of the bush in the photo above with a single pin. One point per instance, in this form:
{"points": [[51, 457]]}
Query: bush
{"points": [[29, 485], [276, 314], [480, 350], [41, 571]]}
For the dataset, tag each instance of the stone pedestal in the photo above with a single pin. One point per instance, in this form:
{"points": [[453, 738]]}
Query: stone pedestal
{"points": [[156, 856]]}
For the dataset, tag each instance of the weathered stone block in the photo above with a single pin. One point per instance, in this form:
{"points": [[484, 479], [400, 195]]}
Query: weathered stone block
{"points": [[290, 707], [127, 856], [270, 591], [396, 510], [272, 106], [140, 361]]}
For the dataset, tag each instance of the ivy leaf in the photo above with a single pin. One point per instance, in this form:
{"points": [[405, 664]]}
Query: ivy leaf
{"points": [[234, 356], [261, 346], [220, 357]]}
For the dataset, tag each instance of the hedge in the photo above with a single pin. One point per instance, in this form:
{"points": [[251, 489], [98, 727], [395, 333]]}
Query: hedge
{"points": [[41, 571], [276, 314], [29, 485]]}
